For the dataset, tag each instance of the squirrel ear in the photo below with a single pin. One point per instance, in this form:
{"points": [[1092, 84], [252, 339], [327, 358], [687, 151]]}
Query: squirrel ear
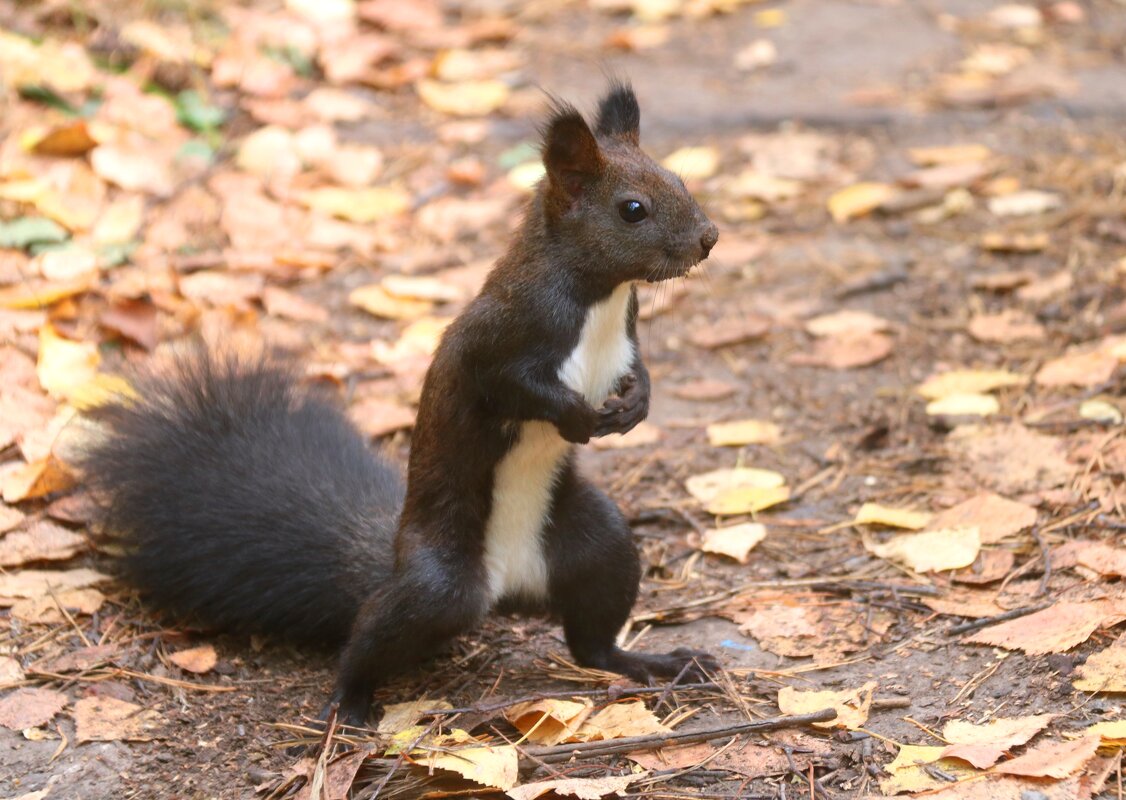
{"points": [[570, 151], [619, 114]]}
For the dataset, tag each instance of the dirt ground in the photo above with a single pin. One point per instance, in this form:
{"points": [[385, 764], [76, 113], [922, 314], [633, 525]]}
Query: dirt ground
{"points": [[812, 108]]}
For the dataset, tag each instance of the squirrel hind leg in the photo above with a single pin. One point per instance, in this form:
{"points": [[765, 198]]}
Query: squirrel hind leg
{"points": [[595, 573]]}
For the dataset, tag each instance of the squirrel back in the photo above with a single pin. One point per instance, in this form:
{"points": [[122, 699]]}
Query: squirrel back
{"points": [[247, 502]]}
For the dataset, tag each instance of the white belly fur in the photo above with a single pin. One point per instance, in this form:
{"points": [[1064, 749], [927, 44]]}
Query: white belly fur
{"points": [[525, 477]]}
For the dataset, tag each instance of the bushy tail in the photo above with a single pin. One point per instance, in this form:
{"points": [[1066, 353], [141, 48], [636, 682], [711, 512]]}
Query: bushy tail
{"points": [[247, 501]]}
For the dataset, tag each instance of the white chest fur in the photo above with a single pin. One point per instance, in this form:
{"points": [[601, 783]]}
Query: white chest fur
{"points": [[525, 477]]}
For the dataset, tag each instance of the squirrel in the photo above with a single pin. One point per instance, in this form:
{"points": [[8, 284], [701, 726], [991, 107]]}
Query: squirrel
{"points": [[249, 502]]}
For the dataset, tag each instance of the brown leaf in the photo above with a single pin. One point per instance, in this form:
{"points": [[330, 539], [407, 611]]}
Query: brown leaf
{"points": [[846, 351], [30, 708], [282, 303], [549, 721], [704, 390], [1104, 671], [107, 719], [135, 168], [642, 435], [991, 565], [38, 583], [851, 705], [43, 541], [582, 788], [45, 610], [1053, 630], [734, 541], [846, 323], [40, 478], [1053, 759], [77, 660], [377, 417], [983, 745], [730, 332], [1078, 369], [995, 517], [195, 659], [1011, 459], [1007, 326], [970, 603], [135, 320]]}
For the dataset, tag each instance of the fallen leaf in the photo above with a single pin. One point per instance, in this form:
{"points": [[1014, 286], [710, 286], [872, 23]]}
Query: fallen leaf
{"points": [[983, 745], [107, 719], [743, 432], [964, 405], [375, 300], [693, 162], [759, 186], [37, 583], [1011, 459], [134, 168], [195, 659], [1053, 630], [1026, 203], [549, 721], [851, 704], [642, 435], [45, 610], [931, 551], [465, 98], [582, 788], [876, 514], [493, 766], [746, 500], [78, 660], [1105, 559], [1052, 759], [846, 322], [64, 365], [1046, 288], [221, 288], [948, 154], [730, 332], [1100, 411], [960, 602], [735, 541], [968, 381], [1000, 242], [857, 200], [619, 720], [378, 417], [1113, 734], [1078, 369], [10, 671], [846, 351], [42, 541], [989, 566], [30, 708], [290, 305], [706, 486], [704, 390], [421, 287], [1104, 671], [362, 204], [1007, 326], [909, 770], [42, 294], [36, 479]]}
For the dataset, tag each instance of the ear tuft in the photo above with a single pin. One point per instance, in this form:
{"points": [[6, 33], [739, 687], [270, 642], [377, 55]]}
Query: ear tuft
{"points": [[619, 114], [570, 151]]}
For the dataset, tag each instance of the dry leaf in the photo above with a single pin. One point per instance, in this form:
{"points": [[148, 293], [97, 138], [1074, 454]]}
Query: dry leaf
{"points": [[948, 154], [1007, 326], [40, 294], [704, 390], [45, 610], [1113, 734], [1011, 459], [742, 432], [375, 300], [282, 303], [464, 98], [909, 770], [64, 365], [964, 405], [1104, 671], [735, 541], [421, 287], [43, 541], [642, 435], [693, 162], [746, 500], [30, 708], [846, 322], [983, 745], [1100, 411], [846, 351], [989, 566], [858, 200], [706, 486], [1052, 630], [582, 788], [377, 417], [39, 478], [876, 514], [851, 704], [107, 719], [362, 205], [134, 168], [1026, 203], [968, 381], [493, 766], [1000, 242], [931, 551], [549, 721], [1052, 759], [37, 583], [618, 720], [1078, 369], [195, 659], [730, 332], [970, 603], [1103, 558], [10, 671]]}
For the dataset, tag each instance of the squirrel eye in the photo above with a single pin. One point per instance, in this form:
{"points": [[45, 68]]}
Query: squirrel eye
{"points": [[632, 211]]}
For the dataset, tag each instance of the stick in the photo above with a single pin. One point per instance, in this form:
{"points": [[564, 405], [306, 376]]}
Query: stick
{"points": [[966, 627], [565, 752]]}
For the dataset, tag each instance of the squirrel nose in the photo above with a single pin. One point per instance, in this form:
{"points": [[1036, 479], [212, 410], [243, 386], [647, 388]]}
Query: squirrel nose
{"points": [[708, 238]]}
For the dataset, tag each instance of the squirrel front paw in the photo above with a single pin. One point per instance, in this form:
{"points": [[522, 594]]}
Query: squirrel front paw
{"points": [[622, 414], [578, 421]]}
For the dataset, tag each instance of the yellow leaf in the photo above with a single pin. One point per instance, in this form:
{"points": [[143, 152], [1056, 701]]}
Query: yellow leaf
{"points": [[948, 154], [964, 405], [422, 287], [549, 721], [377, 301], [932, 551], [120, 221], [496, 767], [40, 294], [1100, 411], [357, 205], [746, 500], [525, 176], [618, 720], [64, 366], [706, 486], [1113, 733], [1104, 671], [770, 18], [693, 162], [195, 659], [41, 477], [913, 755], [464, 98], [736, 541], [876, 514], [968, 381], [851, 705], [858, 200], [398, 717], [744, 431]]}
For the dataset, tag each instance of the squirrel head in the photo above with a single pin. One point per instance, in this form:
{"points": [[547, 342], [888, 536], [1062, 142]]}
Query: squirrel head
{"points": [[629, 217]]}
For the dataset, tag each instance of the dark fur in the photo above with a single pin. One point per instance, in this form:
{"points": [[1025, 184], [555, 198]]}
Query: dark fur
{"points": [[255, 505]]}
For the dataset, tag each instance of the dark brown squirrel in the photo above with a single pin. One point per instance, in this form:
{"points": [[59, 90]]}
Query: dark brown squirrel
{"points": [[250, 503]]}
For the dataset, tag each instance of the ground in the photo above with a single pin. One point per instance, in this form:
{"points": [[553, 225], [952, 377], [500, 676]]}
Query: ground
{"points": [[1001, 252]]}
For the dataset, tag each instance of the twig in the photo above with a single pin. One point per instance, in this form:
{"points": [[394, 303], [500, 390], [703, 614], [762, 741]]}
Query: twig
{"points": [[1046, 554], [565, 752], [966, 627]]}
